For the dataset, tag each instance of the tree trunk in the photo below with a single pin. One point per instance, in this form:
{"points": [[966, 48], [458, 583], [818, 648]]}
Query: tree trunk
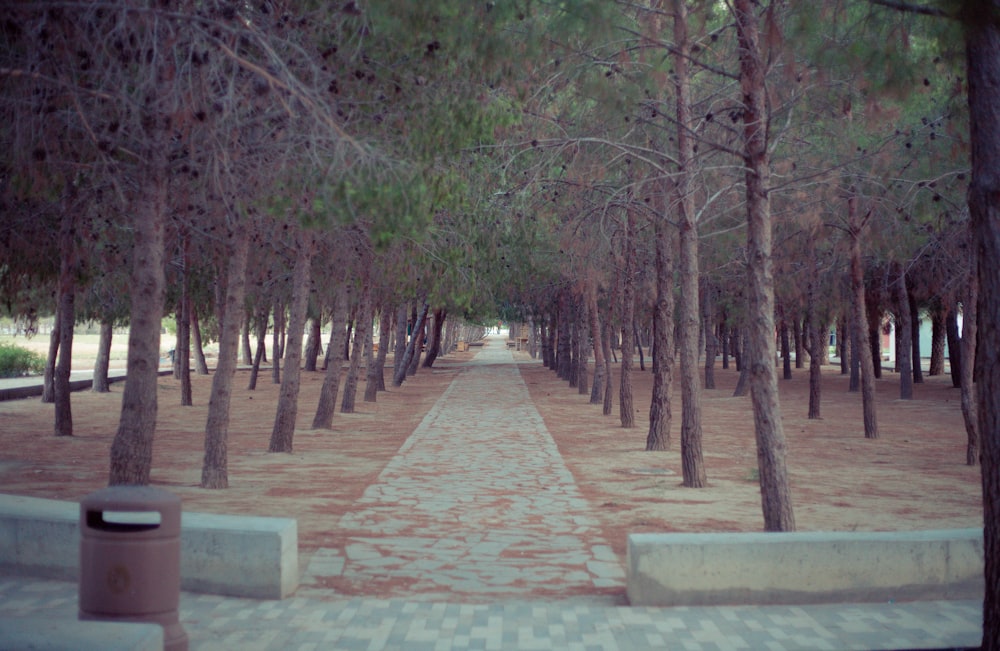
{"points": [[918, 372], [375, 380], [843, 345], [131, 457], [970, 328], [743, 381], [288, 399], [774, 484], [261, 329], [48, 381], [201, 366], [800, 345], [816, 341], [692, 461], [660, 415], [362, 331], [434, 346], [904, 351], [786, 352], [417, 347], [323, 419], [279, 326], [102, 364], [936, 366], [215, 463], [582, 354], [609, 383], [954, 347], [597, 341], [982, 39], [313, 344], [245, 348], [863, 347], [708, 322], [626, 409], [66, 316], [412, 348], [399, 352], [182, 353]]}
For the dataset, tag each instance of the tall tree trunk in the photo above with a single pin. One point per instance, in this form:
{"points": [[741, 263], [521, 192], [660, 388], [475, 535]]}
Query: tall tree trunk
{"points": [[626, 409], [313, 344], [362, 331], [800, 345], [182, 352], [954, 346], [582, 354], [417, 342], [261, 329], [936, 366], [709, 322], [844, 345], [279, 326], [660, 415], [609, 390], [215, 463], [66, 316], [692, 459], [873, 313], [597, 341], [775, 491], [201, 366], [905, 349], [816, 340], [327, 405], [982, 40], [786, 352], [131, 457], [48, 380], [102, 364], [288, 399], [918, 372], [375, 380], [434, 346], [743, 356], [970, 328], [399, 352], [412, 348], [863, 347], [245, 347]]}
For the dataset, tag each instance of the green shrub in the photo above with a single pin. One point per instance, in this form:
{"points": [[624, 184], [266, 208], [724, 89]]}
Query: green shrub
{"points": [[16, 361]]}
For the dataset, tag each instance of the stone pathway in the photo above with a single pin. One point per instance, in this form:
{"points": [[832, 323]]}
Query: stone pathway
{"points": [[477, 505]]}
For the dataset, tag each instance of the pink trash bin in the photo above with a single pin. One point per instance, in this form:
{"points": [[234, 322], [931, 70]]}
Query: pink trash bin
{"points": [[130, 556]]}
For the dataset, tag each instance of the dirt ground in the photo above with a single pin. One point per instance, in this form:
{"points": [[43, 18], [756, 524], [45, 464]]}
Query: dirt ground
{"points": [[913, 477]]}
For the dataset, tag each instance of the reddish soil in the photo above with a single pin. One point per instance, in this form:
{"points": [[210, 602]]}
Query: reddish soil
{"points": [[913, 477]]}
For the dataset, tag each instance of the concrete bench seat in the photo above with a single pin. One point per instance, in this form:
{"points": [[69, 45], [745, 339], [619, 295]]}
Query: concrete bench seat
{"points": [[60, 634], [803, 567], [233, 555]]}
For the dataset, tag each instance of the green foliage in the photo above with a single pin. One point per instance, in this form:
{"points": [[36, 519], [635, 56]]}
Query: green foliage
{"points": [[16, 361]]}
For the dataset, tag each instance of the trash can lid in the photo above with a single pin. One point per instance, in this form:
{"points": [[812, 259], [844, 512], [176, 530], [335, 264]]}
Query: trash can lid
{"points": [[118, 502]]}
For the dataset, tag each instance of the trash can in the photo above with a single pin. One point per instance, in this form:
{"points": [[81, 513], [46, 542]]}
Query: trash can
{"points": [[130, 557]]}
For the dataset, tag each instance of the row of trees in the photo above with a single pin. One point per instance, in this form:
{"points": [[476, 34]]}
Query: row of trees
{"points": [[715, 170]]}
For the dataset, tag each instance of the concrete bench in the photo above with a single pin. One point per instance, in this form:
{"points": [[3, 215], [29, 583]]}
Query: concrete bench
{"points": [[805, 567], [240, 556], [61, 634]]}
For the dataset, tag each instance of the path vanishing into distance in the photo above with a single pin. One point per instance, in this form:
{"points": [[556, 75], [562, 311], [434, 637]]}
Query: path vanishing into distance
{"points": [[477, 504]]}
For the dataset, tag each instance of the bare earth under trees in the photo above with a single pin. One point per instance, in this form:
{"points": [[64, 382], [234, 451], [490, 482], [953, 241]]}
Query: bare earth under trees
{"points": [[914, 476]]}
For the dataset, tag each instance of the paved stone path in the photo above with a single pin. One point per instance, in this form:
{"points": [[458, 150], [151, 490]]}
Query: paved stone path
{"points": [[477, 504], [481, 538]]}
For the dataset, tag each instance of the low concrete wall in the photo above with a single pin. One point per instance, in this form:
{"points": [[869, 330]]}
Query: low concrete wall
{"points": [[806, 567], [55, 634], [240, 556]]}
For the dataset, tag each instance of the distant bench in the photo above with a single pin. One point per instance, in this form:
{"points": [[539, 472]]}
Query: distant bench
{"points": [[803, 567], [233, 555]]}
